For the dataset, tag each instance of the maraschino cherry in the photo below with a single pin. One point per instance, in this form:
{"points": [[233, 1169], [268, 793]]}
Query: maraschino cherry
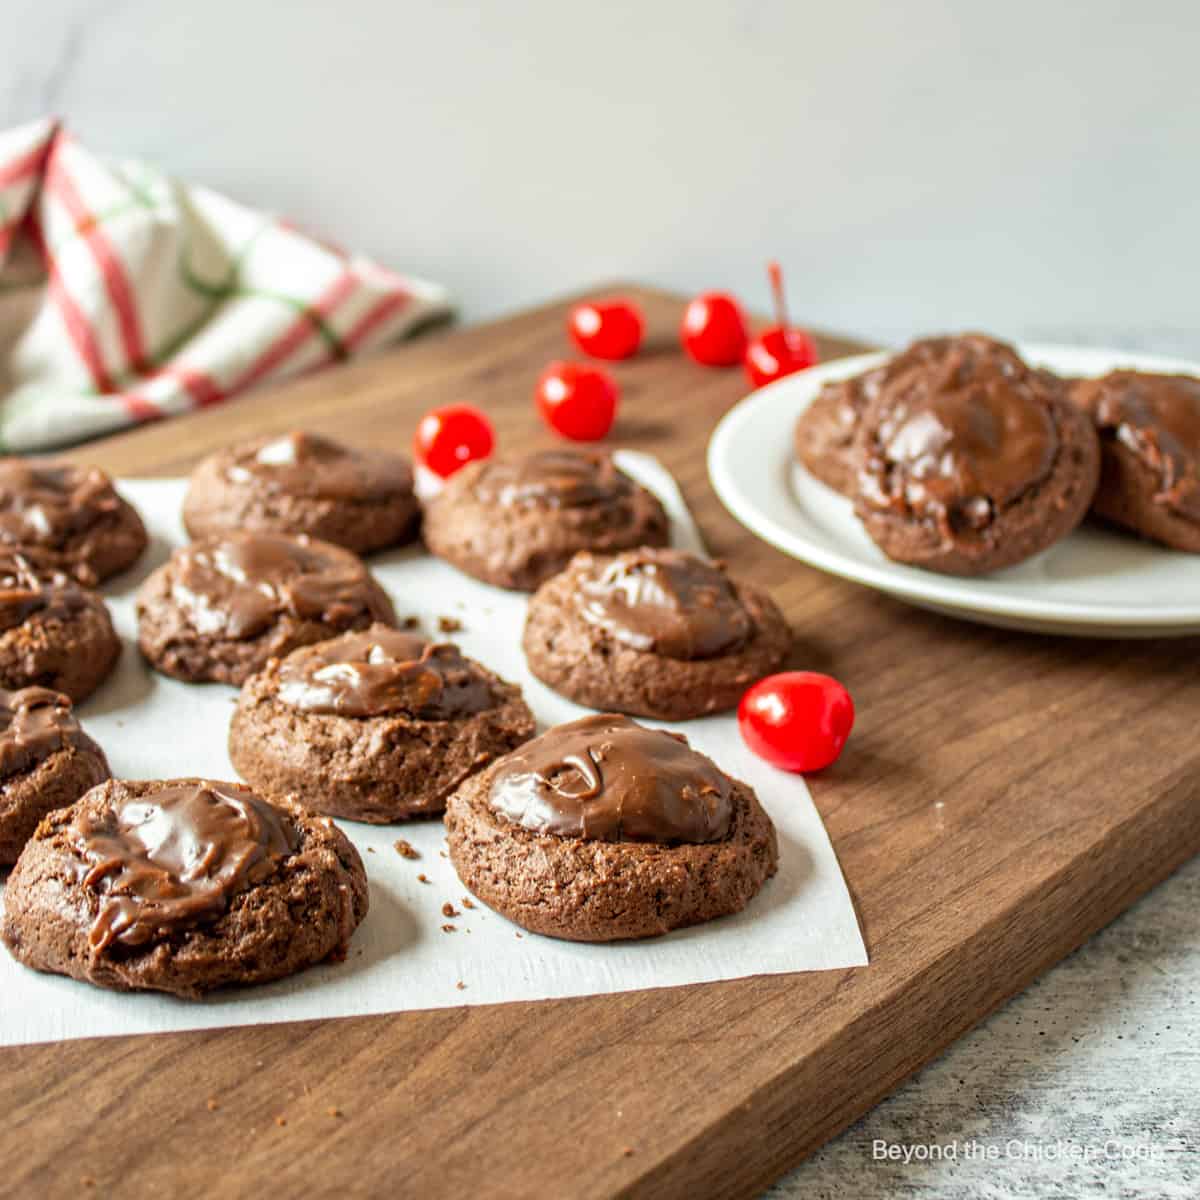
{"points": [[577, 400], [448, 438], [607, 328], [714, 330], [782, 349], [798, 721]]}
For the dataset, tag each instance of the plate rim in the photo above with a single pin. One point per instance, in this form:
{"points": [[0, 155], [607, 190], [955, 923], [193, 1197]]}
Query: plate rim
{"points": [[892, 578]]}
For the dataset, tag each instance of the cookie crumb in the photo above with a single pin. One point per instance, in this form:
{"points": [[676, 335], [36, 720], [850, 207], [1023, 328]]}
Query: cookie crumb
{"points": [[370, 849], [211, 1104], [332, 1111], [443, 854], [422, 878], [462, 987], [281, 1121], [449, 624], [448, 910], [405, 849], [467, 902], [449, 928], [519, 934], [410, 623]]}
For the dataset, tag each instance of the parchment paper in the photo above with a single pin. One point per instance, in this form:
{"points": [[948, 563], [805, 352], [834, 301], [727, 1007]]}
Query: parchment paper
{"points": [[400, 958]]}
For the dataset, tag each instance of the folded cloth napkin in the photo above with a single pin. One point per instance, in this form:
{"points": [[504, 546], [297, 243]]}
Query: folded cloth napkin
{"points": [[126, 295]]}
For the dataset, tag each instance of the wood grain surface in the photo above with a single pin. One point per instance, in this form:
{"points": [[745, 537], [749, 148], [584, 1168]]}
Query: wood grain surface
{"points": [[1003, 796]]}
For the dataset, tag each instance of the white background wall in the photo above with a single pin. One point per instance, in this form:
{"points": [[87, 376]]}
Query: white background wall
{"points": [[1030, 167]]}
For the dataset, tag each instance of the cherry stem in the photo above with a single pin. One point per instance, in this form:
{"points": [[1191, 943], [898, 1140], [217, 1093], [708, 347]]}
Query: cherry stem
{"points": [[775, 274]]}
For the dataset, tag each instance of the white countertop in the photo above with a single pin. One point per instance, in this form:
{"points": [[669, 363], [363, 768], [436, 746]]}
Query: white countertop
{"points": [[1099, 1058]]}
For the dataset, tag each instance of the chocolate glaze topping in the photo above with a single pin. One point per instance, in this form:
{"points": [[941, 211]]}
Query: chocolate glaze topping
{"points": [[34, 724], [667, 602], [605, 778], [1157, 418], [966, 430], [173, 859], [236, 586], [853, 395], [308, 464], [382, 671], [46, 504], [28, 587], [552, 479]]}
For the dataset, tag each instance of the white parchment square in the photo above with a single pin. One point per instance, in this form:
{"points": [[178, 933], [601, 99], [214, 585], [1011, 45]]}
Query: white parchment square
{"points": [[400, 958]]}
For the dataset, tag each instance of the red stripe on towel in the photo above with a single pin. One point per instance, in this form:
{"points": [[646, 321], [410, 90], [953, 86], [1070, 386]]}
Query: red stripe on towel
{"points": [[297, 334], [112, 271], [77, 326], [389, 306]]}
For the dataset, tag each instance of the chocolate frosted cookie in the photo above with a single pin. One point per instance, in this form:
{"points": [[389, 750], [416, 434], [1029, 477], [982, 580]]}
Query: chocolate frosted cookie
{"points": [[601, 829], [825, 441], [824, 436], [221, 607], [52, 631], [517, 521], [182, 886], [1149, 428], [970, 460], [305, 483], [46, 762], [376, 726], [658, 633], [70, 518]]}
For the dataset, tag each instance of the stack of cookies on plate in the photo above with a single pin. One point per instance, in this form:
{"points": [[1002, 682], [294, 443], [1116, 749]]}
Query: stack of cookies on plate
{"points": [[962, 458], [597, 830]]}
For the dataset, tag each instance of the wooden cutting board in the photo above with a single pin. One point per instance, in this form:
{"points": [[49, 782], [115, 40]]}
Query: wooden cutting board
{"points": [[1003, 796]]}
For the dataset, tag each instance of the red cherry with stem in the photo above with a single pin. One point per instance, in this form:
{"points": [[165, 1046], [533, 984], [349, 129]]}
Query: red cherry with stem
{"points": [[783, 349], [798, 720], [449, 438], [577, 400], [610, 329], [714, 330]]}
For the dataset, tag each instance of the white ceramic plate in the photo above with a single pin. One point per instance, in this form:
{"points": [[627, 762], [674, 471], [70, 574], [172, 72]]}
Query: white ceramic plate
{"points": [[1094, 583]]}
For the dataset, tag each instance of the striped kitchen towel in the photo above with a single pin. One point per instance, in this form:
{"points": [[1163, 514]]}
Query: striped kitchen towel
{"points": [[126, 295]]}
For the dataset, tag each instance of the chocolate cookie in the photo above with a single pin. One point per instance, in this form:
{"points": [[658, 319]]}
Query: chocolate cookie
{"points": [[52, 631], [971, 461], [69, 518], [825, 442], [658, 633], [824, 435], [46, 762], [601, 829], [1149, 429], [182, 886], [517, 521], [221, 607], [305, 483], [378, 726]]}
